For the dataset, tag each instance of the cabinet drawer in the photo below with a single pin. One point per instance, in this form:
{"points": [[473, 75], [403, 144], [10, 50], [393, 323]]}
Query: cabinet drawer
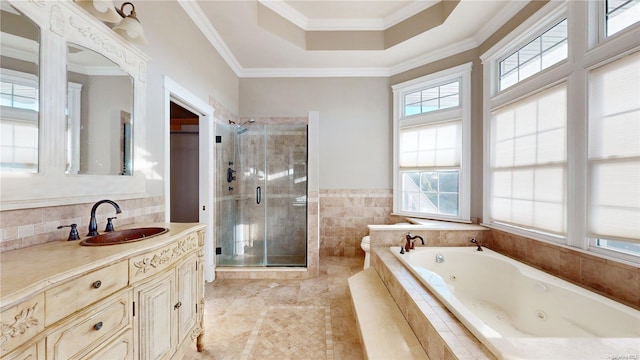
{"points": [[76, 294], [118, 348], [76, 337], [143, 266], [33, 352], [20, 323]]}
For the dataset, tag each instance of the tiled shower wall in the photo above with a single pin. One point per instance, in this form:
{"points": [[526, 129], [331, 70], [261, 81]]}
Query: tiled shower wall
{"points": [[27, 227], [345, 214]]}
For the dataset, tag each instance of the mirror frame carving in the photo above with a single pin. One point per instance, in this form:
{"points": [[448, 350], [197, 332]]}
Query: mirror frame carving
{"points": [[62, 22]]}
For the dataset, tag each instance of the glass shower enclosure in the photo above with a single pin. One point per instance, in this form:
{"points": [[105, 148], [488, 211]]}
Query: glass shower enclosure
{"points": [[261, 195]]}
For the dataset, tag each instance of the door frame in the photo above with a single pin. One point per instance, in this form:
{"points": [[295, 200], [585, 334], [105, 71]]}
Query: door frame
{"points": [[180, 95]]}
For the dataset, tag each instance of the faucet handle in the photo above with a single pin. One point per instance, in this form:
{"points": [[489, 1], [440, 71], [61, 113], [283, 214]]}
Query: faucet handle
{"points": [[109, 227], [73, 233]]}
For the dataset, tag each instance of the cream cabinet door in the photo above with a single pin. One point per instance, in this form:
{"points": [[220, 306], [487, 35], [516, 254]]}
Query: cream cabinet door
{"points": [[155, 313], [187, 296]]}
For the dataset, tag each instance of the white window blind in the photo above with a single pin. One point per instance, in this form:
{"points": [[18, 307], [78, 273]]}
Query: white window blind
{"points": [[528, 162], [431, 145], [614, 150]]}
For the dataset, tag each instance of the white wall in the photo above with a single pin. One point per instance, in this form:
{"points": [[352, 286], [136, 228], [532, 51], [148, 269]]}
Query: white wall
{"points": [[355, 123], [178, 50]]}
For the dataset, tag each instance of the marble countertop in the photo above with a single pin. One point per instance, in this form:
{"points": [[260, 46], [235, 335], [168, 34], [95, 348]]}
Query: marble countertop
{"points": [[34, 269]]}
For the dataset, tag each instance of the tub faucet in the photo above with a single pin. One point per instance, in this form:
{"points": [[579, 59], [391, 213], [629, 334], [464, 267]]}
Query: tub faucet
{"points": [[477, 244], [93, 225], [410, 241]]}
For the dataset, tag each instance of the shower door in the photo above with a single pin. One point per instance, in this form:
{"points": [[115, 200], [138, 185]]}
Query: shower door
{"points": [[262, 212]]}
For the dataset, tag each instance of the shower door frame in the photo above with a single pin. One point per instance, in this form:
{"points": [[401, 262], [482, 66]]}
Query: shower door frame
{"points": [[252, 197]]}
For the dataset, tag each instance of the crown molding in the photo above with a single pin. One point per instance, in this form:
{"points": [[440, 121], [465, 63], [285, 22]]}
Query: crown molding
{"points": [[433, 56], [288, 12], [408, 11], [313, 72], [194, 11], [196, 14], [509, 11]]}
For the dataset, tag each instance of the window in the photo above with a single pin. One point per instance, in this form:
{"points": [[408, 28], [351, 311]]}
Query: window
{"points": [[528, 162], [19, 104], [620, 14], [562, 158], [19, 96], [540, 53], [432, 99], [614, 154], [18, 145], [431, 151]]}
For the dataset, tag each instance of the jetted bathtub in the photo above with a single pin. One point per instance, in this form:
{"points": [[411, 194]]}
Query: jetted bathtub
{"points": [[519, 312]]}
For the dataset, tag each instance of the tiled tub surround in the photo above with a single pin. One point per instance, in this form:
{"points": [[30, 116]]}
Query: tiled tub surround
{"points": [[613, 279], [439, 332], [345, 215], [435, 233], [28, 227], [522, 313]]}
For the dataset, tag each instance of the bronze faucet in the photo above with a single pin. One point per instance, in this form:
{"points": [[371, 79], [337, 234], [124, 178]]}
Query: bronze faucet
{"points": [[93, 225], [477, 244], [409, 245]]}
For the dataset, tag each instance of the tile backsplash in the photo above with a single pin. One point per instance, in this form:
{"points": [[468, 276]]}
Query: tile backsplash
{"points": [[28, 227]]}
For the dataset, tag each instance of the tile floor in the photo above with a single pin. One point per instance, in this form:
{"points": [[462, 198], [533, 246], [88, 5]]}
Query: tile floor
{"points": [[283, 319]]}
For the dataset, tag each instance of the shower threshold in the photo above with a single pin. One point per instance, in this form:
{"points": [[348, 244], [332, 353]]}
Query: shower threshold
{"points": [[248, 260]]}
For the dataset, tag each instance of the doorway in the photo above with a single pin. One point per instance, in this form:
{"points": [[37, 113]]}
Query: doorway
{"points": [[184, 151]]}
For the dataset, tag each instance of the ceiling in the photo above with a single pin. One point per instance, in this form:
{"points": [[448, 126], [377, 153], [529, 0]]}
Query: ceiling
{"points": [[300, 38]]}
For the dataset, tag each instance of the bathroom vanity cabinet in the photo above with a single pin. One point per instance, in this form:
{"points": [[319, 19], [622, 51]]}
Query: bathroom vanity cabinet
{"points": [[140, 300]]}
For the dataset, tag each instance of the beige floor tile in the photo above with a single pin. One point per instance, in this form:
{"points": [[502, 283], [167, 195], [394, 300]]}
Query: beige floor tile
{"points": [[283, 319]]}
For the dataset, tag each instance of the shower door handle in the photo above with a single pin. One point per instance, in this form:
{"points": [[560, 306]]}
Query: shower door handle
{"points": [[258, 195]]}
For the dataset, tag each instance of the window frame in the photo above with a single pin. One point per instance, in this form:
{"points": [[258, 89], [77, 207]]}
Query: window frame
{"points": [[539, 32], [588, 49], [461, 112]]}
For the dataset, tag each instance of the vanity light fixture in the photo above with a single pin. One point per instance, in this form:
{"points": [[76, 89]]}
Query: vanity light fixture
{"points": [[130, 27], [103, 10]]}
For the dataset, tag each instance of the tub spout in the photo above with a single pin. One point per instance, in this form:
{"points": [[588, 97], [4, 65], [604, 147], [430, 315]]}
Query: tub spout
{"points": [[477, 244], [410, 241]]}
